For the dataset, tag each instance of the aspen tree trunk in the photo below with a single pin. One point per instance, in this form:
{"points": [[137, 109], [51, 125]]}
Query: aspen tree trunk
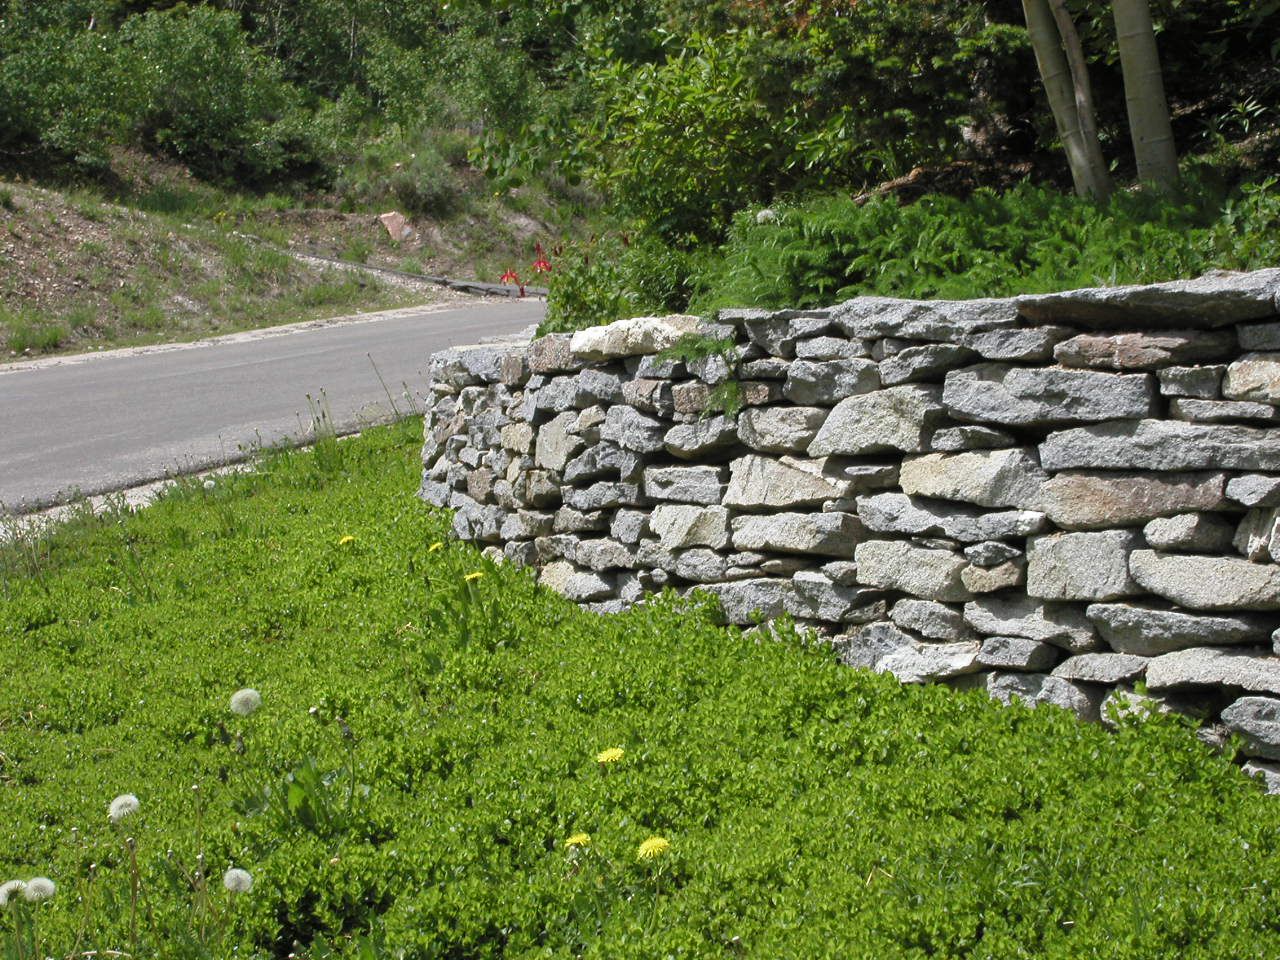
{"points": [[1067, 93], [1149, 126]]}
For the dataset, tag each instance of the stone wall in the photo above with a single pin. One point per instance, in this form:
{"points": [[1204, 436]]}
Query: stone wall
{"points": [[1052, 497]]}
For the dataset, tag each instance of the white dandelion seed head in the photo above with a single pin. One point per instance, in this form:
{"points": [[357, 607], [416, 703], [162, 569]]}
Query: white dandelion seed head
{"points": [[245, 702], [38, 888], [766, 216], [10, 890], [125, 805], [208, 484], [237, 880]]}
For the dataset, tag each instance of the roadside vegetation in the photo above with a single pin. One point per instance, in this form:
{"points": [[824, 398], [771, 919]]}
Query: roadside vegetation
{"points": [[411, 752]]}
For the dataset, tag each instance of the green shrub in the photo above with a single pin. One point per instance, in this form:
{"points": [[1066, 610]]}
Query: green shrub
{"points": [[406, 169], [428, 742], [1027, 240], [212, 99]]}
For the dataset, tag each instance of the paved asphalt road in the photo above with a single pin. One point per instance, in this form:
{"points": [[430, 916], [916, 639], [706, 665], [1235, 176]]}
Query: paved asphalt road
{"points": [[108, 421]]}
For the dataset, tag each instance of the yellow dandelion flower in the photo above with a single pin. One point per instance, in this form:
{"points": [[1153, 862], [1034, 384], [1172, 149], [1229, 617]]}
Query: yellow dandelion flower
{"points": [[476, 575], [578, 840], [345, 540], [653, 848], [612, 755], [435, 546]]}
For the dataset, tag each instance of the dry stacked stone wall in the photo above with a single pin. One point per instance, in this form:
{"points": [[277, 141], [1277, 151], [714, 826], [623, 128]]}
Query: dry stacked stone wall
{"points": [[1055, 497]]}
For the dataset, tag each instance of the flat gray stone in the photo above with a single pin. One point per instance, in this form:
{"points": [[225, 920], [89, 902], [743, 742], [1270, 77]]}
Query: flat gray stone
{"points": [[921, 572], [810, 382], [628, 526], [819, 598], [1029, 396], [937, 621], [1190, 533], [1258, 720], [1201, 382], [971, 437], [1024, 345], [744, 601], [842, 572], [555, 444], [1221, 411], [1148, 630], [599, 461], [1108, 668], [923, 364], [604, 554], [1268, 773], [1215, 300], [1162, 445], [886, 648], [600, 386], [1034, 689], [991, 553], [1061, 624], [703, 439], [680, 526], [1017, 653], [1258, 536], [1215, 667], [991, 579], [1255, 376], [769, 483], [1145, 351], [1259, 336], [550, 354], [629, 338], [899, 513], [525, 525], [1086, 500], [899, 418], [699, 484], [1082, 566], [602, 496], [944, 320], [825, 534], [1206, 582], [989, 478], [782, 429], [701, 565], [649, 396], [1254, 490], [830, 348], [632, 430], [567, 520]]}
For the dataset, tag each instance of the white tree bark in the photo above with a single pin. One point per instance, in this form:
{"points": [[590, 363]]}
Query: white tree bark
{"points": [[1149, 127], [1069, 96]]}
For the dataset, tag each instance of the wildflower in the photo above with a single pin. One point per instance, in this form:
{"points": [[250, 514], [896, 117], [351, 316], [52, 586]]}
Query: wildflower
{"points": [[245, 702], [541, 264], [208, 484], [237, 880], [476, 575], [435, 546], [578, 840], [345, 540], [9, 890], [125, 805], [612, 755], [653, 848], [37, 889], [766, 216], [510, 277]]}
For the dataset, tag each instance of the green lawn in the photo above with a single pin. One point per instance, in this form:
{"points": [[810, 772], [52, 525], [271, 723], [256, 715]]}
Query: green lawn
{"points": [[427, 744]]}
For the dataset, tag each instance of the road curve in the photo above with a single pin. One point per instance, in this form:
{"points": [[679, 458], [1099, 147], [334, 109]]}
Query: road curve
{"points": [[101, 422]]}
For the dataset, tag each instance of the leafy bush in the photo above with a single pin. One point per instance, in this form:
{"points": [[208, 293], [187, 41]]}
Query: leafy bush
{"points": [[1027, 240], [406, 169], [434, 730], [212, 99]]}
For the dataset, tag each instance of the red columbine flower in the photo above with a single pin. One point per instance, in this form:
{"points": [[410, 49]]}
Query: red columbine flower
{"points": [[510, 277], [540, 265]]}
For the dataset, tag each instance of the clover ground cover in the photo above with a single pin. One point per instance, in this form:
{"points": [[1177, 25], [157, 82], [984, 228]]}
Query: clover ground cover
{"points": [[440, 764]]}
